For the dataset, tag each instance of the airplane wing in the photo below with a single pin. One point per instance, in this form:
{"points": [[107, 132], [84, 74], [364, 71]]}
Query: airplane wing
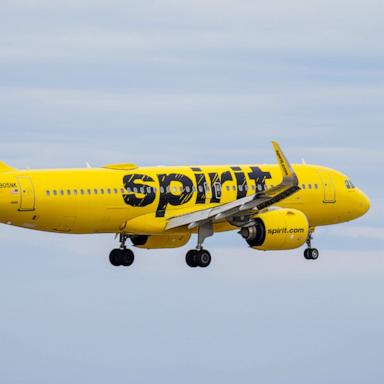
{"points": [[247, 206]]}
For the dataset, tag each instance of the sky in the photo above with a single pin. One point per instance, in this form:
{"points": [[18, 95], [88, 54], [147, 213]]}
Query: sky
{"points": [[193, 82]]}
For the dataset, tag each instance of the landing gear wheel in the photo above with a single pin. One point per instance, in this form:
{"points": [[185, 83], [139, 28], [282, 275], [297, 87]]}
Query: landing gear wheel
{"points": [[191, 258], [122, 257], [204, 258], [115, 257], [127, 257], [313, 253]]}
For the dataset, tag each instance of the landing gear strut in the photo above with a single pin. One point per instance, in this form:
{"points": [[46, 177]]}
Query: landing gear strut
{"points": [[122, 256], [200, 257], [311, 253]]}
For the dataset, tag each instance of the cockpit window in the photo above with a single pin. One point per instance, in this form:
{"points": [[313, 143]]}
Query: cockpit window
{"points": [[349, 184]]}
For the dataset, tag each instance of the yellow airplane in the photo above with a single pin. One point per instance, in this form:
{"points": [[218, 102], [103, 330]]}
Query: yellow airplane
{"points": [[274, 207]]}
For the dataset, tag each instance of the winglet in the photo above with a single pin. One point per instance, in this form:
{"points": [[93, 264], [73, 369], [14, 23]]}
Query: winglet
{"points": [[5, 168], [289, 174]]}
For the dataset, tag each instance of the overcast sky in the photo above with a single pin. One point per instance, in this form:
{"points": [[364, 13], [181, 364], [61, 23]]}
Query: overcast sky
{"points": [[180, 82]]}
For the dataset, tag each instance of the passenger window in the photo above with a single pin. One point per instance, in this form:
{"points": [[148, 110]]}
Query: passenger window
{"points": [[48, 193], [303, 186], [62, 193], [316, 186], [309, 186], [122, 190], [54, 192], [68, 192], [228, 188], [109, 191], [82, 191], [75, 192], [95, 191], [234, 188], [89, 192], [102, 191], [116, 191]]}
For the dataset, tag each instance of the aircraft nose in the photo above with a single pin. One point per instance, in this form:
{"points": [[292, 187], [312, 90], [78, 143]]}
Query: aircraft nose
{"points": [[364, 203]]}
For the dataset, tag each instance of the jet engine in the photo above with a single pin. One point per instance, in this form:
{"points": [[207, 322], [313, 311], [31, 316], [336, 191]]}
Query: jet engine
{"points": [[279, 229], [161, 241]]}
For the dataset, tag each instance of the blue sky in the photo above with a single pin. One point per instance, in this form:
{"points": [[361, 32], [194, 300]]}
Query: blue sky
{"points": [[179, 82]]}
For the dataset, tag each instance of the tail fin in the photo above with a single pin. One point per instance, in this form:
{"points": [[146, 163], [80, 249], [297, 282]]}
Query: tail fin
{"points": [[5, 168]]}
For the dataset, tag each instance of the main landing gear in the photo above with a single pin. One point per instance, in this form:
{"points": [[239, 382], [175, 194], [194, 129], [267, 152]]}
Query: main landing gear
{"points": [[200, 257], [122, 256], [311, 253]]}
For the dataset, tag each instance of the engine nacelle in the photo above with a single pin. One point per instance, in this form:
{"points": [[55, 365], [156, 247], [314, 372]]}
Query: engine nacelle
{"points": [[277, 230], [160, 242]]}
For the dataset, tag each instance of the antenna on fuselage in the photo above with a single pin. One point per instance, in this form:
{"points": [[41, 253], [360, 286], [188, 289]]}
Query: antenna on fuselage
{"points": [[88, 165]]}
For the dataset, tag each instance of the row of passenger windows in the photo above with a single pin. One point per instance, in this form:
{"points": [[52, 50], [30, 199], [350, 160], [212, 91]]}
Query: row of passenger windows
{"points": [[83, 192], [144, 190], [310, 186]]}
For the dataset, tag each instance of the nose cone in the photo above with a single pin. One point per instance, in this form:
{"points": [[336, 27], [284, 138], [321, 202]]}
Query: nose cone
{"points": [[363, 204]]}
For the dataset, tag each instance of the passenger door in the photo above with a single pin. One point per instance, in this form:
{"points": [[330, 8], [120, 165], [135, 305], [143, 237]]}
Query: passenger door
{"points": [[328, 186], [27, 194]]}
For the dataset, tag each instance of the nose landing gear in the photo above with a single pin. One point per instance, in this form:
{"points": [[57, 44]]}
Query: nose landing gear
{"points": [[311, 253], [122, 256]]}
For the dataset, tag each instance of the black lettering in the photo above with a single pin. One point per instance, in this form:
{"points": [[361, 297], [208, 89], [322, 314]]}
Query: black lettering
{"points": [[183, 194], [134, 189], [241, 182], [259, 177], [217, 183], [201, 182]]}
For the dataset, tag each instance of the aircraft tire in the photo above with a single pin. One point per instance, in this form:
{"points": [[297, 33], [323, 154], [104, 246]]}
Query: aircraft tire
{"points": [[204, 258], [115, 257], [313, 253], [127, 257], [190, 258]]}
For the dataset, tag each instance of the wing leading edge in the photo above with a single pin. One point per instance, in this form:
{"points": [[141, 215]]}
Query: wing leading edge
{"points": [[249, 205]]}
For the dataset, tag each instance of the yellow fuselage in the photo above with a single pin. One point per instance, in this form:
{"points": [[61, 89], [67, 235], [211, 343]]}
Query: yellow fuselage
{"points": [[126, 199]]}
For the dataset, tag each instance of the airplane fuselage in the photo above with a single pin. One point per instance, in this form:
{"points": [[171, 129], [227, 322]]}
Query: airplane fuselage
{"points": [[139, 200]]}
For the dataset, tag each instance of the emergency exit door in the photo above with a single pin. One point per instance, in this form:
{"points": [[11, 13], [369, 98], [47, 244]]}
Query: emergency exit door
{"points": [[27, 194]]}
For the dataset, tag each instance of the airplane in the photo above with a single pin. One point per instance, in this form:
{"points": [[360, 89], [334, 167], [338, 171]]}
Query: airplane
{"points": [[273, 207]]}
